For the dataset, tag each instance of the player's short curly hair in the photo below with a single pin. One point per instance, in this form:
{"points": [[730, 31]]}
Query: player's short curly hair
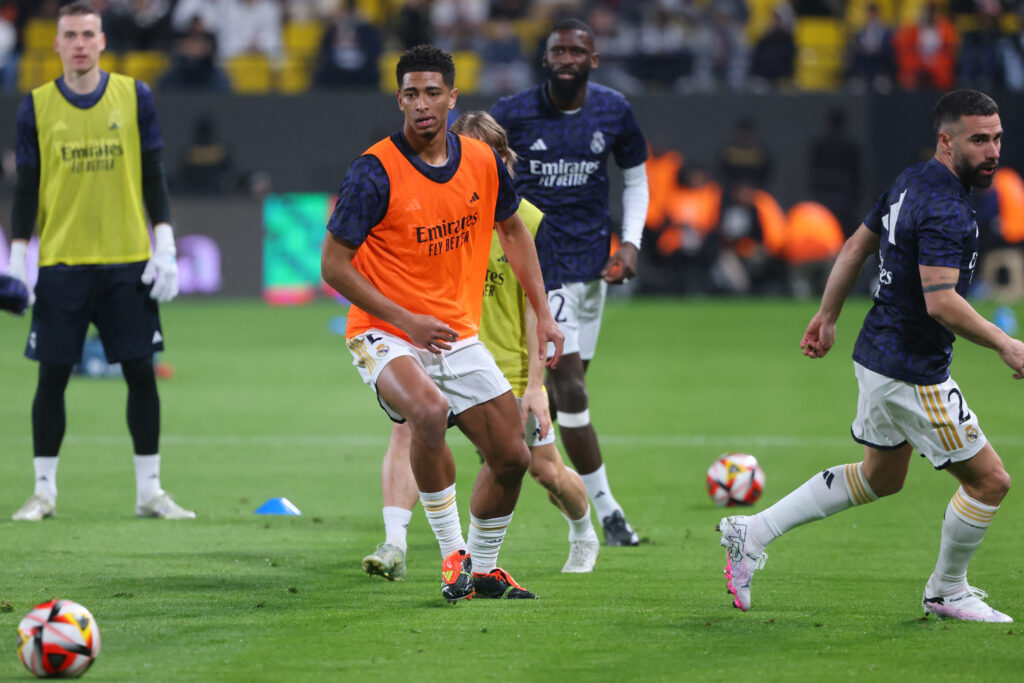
{"points": [[957, 104], [482, 126], [426, 58]]}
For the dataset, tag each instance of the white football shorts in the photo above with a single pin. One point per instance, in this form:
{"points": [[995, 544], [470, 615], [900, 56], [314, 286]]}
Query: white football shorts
{"points": [[466, 375], [934, 419], [533, 431], [577, 308]]}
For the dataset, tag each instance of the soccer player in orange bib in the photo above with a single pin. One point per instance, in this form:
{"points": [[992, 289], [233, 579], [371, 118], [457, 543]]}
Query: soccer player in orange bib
{"points": [[408, 245]]}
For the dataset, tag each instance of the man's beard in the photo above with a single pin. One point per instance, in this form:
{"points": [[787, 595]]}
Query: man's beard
{"points": [[566, 91], [972, 176]]}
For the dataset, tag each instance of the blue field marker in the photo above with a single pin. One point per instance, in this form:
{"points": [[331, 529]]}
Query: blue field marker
{"points": [[278, 506]]}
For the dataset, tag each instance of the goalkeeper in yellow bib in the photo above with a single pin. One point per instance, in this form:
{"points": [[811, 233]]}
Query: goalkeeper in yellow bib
{"points": [[507, 328], [89, 169]]}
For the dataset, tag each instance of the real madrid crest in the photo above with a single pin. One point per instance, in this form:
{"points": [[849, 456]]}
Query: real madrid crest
{"points": [[597, 142], [382, 350], [972, 433]]}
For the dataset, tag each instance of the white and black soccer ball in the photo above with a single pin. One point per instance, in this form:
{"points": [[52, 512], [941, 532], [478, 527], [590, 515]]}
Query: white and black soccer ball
{"points": [[58, 639], [735, 479]]}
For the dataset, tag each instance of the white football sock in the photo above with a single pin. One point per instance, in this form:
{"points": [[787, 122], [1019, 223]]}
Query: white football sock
{"points": [[396, 524], [443, 515], [581, 529], [824, 494], [600, 492], [46, 476], [484, 541], [963, 527], [147, 477]]}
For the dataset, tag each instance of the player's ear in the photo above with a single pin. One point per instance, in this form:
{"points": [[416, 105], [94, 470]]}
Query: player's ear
{"points": [[594, 59], [452, 98]]}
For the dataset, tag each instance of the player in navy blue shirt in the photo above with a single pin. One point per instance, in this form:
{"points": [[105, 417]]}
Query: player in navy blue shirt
{"points": [[924, 231], [564, 131]]}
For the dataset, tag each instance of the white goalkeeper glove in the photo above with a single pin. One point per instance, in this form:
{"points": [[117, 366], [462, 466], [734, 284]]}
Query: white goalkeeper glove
{"points": [[162, 268], [16, 266]]}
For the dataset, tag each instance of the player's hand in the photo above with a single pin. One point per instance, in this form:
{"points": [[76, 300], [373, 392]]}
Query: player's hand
{"points": [[1013, 355], [161, 270], [819, 337], [548, 332], [535, 401], [16, 267], [622, 264], [430, 333]]}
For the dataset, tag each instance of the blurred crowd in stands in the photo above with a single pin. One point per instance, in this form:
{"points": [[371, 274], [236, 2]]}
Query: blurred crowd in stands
{"points": [[646, 45]]}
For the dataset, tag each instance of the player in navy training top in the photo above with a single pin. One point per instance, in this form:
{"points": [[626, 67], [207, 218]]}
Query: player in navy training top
{"points": [[564, 130], [924, 231]]}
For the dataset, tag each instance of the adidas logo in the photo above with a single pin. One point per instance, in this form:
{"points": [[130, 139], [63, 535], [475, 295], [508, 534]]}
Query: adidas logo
{"points": [[59, 126], [157, 337], [474, 198], [414, 205], [113, 126], [539, 146]]}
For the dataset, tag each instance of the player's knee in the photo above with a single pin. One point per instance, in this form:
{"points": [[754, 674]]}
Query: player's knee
{"points": [[138, 374], [998, 485], [570, 393], [543, 473], [428, 420], [510, 464]]}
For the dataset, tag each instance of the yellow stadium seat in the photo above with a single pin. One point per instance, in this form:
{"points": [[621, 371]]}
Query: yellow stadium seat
{"points": [[36, 68], [467, 71], [857, 13], [294, 77], [386, 64], [250, 74], [147, 66], [110, 62], [302, 39], [820, 42], [39, 34]]}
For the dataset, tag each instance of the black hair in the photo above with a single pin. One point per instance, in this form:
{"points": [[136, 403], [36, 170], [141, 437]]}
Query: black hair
{"points": [[957, 104], [573, 25], [426, 58]]}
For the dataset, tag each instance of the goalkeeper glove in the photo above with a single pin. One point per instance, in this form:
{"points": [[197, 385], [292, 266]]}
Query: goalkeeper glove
{"points": [[162, 269], [16, 266]]}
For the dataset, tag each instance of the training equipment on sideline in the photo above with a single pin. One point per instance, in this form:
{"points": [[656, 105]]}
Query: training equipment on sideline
{"points": [[58, 639], [735, 479]]}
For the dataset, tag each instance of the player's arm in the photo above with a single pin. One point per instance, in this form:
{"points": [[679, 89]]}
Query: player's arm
{"points": [[25, 206], [338, 271], [517, 243], [938, 283], [635, 196], [161, 270], [534, 399], [821, 331]]}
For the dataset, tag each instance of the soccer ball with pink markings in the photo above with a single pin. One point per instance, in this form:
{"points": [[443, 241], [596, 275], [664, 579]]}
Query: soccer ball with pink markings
{"points": [[735, 479], [58, 639]]}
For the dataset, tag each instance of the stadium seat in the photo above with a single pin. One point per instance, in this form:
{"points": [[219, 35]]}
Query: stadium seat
{"points": [[759, 18], [295, 76], [36, 68], [147, 66], [250, 74], [467, 71], [820, 42], [856, 12], [386, 65], [39, 34], [110, 62], [302, 39]]}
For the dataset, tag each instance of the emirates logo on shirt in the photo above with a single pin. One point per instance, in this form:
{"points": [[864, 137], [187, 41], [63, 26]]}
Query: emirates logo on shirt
{"points": [[448, 234]]}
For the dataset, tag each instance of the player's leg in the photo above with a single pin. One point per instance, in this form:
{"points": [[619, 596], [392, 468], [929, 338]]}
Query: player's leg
{"points": [[578, 308], [566, 492], [406, 391], [60, 320], [833, 490], [129, 325], [984, 483], [494, 427], [399, 494]]}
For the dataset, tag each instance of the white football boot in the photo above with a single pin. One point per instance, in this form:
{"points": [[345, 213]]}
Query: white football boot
{"points": [[742, 557], [162, 506], [35, 508], [968, 604], [582, 556]]}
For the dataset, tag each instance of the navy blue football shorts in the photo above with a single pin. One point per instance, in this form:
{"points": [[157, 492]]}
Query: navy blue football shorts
{"points": [[111, 297]]}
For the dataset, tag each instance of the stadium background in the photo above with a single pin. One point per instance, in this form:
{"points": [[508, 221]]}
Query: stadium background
{"points": [[254, 158]]}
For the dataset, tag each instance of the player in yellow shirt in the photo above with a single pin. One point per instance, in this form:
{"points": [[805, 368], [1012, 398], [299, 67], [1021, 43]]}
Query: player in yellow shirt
{"points": [[88, 155], [507, 329]]}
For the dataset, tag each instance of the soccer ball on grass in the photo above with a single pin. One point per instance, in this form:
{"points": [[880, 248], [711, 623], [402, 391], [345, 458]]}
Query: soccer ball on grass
{"points": [[735, 479], [58, 639]]}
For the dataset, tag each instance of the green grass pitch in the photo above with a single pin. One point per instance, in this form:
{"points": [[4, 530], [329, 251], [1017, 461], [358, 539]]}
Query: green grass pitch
{"points": [[264, 403]]}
